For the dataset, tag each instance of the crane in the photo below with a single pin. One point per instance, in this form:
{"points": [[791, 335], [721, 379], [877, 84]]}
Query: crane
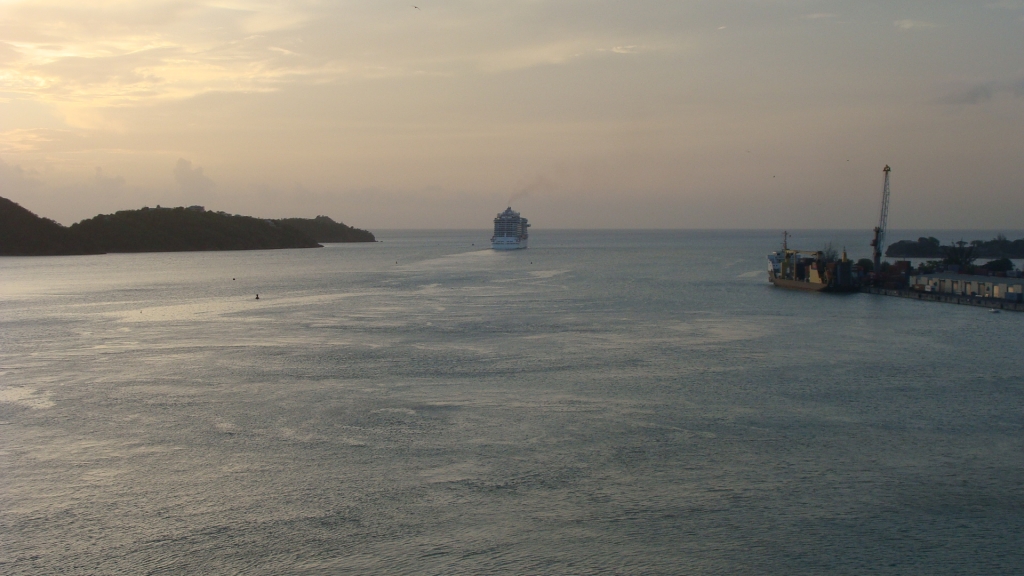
{"points": [[879, 240]]}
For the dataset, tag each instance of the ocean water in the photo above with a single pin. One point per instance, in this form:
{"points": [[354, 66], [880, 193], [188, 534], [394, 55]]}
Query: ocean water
{"points": [[601, 403]]}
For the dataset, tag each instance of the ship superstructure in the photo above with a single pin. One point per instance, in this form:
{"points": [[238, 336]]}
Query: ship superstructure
{"points": [[810, 270], [510, 231]]}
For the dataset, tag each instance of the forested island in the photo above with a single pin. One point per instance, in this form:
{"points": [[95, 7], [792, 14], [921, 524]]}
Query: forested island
{"points": [[181, 229], [998, 247]]}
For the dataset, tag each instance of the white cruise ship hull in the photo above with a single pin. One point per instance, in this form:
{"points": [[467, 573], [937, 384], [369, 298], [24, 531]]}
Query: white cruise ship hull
{"points": [[509, 231], [508, 243]]}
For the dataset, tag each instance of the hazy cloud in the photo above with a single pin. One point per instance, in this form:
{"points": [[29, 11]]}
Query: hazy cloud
{"points": [[191, 179], [8, 53], [983, 92], [22, 140], [1011, 5], [649, 107], [539, 183], [972, 95], [122, 72], [111, 54], [107, 183], [16, 181], [914, 24]]}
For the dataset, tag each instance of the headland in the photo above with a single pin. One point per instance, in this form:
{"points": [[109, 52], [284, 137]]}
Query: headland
{"points": [[181, 229]]}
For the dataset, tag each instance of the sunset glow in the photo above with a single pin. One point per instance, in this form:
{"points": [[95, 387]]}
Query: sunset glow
{"points": [[640, 114]]}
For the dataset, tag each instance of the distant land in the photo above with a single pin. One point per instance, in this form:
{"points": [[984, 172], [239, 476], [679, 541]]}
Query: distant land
{"points": [[998, 247], [181, 229]]}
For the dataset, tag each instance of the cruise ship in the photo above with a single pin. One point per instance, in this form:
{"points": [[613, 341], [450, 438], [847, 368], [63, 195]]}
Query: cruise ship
{"points": [[509, 231]]}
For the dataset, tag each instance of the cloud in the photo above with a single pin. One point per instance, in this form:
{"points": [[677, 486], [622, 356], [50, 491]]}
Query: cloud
{"points": [[112, 54], [115, 54], [78, 72], [16, 181], [107, 183], [8, 53], [972, 95], [1013, 5], [818, 16], [913, 24], [191, 179], [529, 56], [21, 140], [983, 92], [540, 183], [628, 49]]}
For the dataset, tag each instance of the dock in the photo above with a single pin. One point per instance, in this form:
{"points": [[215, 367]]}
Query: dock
{"points": [[983, 302]]}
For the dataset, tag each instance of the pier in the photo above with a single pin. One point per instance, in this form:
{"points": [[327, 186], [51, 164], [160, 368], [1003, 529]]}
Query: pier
{"points": [[983, 302]]}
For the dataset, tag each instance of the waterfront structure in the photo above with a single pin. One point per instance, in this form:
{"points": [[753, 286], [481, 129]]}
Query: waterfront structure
{"points": [[1004, 288], [510, 231]]}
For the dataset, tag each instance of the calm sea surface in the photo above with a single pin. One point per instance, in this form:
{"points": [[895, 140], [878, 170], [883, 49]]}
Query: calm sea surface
{"points": [[603, 402]]}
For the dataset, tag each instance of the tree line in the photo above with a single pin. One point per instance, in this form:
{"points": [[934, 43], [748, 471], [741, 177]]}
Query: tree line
{"points": [[180, 229], [961, 253], [998, 247]]}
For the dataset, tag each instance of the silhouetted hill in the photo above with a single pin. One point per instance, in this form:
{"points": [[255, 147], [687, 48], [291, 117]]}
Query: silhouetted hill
{"points": [[22, 233], [186, 230], [323, 229], [923, 248]]}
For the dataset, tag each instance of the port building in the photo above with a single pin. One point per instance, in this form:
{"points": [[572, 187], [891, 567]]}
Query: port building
{"points": [[1003, 288]]}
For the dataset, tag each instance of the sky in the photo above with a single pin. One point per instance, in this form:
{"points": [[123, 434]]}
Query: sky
{"points": [[579, 113]]}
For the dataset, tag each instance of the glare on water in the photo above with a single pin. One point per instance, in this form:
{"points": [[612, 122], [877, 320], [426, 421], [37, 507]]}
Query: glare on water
{"points": [[602, 402]]}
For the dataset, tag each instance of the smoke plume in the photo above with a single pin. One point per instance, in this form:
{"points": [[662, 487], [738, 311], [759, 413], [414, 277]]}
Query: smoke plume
{"points": [[538, 184]]}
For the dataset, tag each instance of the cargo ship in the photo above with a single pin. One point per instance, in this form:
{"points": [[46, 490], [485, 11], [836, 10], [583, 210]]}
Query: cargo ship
{"points": [[810, 270], [510, 231]]}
